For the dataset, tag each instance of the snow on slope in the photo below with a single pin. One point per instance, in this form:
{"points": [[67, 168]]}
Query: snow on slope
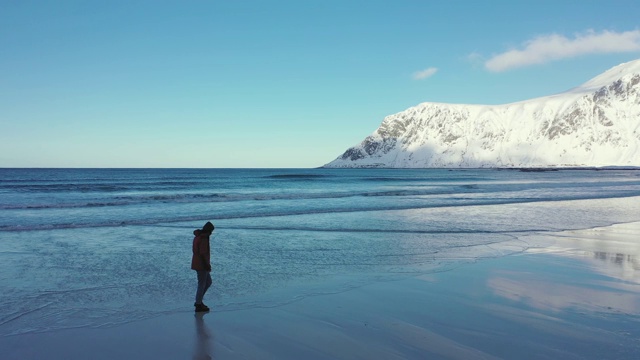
{"points": [[595, 124]]}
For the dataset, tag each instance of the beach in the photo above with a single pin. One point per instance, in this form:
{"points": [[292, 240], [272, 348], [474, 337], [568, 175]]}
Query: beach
{"points": [[575, 297], [302, 180]]}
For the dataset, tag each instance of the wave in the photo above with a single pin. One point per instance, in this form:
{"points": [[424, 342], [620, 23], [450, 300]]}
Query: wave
{"points": [[469, 190], [62, 187], [298, 176], [421, 179], [63, 206], [231, 197], [312, 211], [385, 231]]}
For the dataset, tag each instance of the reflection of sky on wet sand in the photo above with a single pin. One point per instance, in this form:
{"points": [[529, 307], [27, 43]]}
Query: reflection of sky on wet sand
{"points": [[613, 251], [595, 270], [547, 295]]}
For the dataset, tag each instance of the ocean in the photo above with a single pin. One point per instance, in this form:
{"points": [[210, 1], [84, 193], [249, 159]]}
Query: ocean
{"points": [[101, 247]]}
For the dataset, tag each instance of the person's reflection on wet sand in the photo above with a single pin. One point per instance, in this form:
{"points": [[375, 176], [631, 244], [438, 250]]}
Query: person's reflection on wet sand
{"points": [[203, 340]]}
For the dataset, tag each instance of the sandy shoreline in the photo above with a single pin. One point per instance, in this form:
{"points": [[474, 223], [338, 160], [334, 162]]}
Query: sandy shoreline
{"points": [[576, 299]]}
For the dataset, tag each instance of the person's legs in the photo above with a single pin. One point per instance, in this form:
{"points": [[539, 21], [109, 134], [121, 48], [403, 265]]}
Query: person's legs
{"points": [[203, 284], [208, 283]]}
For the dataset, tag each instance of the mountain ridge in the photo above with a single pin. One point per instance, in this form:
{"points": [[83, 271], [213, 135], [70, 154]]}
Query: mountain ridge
{"points": [[595, 124]]}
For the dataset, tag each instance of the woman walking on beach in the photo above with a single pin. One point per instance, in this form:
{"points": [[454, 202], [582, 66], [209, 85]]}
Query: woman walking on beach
{"points": [[201, 263]]}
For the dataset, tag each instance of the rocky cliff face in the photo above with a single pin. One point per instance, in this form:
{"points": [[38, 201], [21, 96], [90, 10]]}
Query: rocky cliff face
{"points": [[596, 124]]}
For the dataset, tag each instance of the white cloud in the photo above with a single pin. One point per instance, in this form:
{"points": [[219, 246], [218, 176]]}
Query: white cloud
{"points": [[547, 48], [423, 74]]}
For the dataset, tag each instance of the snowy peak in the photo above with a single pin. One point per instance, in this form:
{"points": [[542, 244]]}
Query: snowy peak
{"points": [[621, 72], [595, 124]]}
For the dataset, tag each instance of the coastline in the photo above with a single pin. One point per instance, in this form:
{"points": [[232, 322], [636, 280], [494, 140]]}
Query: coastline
{"points": [[578, 298]]}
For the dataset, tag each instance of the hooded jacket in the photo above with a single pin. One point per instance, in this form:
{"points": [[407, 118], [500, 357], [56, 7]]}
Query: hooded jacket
{"points": [[201, 251]]}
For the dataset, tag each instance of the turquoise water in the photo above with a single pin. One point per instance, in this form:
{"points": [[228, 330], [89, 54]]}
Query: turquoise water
{"points": [[99, 247]]}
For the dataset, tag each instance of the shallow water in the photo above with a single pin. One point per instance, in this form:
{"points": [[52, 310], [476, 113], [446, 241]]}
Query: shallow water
{"points": [[100, 247]]}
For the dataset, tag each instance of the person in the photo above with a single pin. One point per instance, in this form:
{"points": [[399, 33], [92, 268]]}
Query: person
{"points": [[201, 263]]}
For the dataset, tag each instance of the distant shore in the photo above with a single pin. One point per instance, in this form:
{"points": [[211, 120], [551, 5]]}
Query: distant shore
{"points": [[525, 169]]}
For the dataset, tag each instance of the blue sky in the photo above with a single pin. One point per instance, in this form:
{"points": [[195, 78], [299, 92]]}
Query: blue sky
{"points": [[274, 83]]}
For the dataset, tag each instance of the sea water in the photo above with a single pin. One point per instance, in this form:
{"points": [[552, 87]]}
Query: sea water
{"points": [[99, 247]]}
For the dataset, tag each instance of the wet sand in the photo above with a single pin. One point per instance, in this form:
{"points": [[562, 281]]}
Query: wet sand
{"points": [[578, 298]]}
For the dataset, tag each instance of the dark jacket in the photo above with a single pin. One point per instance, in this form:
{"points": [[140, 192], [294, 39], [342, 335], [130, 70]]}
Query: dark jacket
{"points": [[201, 259]]}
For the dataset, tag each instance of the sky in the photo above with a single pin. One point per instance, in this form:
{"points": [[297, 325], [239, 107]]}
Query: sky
{"points": [[274, 84]]}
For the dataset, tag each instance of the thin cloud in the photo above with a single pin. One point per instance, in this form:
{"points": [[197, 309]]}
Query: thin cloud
{"points": [[547, 48], [474, 56], [475, 59], [423, 74]]}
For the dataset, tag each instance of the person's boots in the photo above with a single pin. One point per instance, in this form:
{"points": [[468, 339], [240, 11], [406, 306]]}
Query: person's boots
{"points": [[201, 307]]}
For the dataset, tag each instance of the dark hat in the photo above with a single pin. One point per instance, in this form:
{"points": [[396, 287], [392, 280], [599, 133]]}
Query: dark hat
{"points": [[208, 227]]}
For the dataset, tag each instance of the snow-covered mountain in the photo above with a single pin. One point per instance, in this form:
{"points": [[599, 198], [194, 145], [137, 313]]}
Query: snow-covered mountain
{"points": [[595, 124]]}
